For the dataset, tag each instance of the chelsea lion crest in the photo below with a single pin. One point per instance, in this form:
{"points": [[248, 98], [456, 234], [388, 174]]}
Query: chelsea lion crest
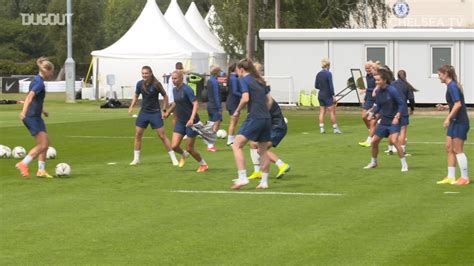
{"points": [[401, 9]]}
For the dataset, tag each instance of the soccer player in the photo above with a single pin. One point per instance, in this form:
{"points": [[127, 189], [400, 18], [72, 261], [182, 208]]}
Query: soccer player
{"points": [[388, 108], [404, 88], [178, 66], [232, 102], [369, 100], [186, 106], [214, 106], [31, 117], [326, 98], [150, 113], [457, 123], [257, 126], [278, 132]]}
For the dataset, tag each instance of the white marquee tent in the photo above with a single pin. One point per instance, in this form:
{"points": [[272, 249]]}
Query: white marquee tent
{"points": [[176, 19], [150, 41], [196, 21]]}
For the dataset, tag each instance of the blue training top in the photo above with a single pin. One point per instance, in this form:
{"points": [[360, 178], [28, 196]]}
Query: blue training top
{"points": [[258, 97], [370, 88], [150, 102], [233, 99], [324, 84], [36, 106], [213, 95], [388, 102], [402, 88], [453, 95], [184, 98]]}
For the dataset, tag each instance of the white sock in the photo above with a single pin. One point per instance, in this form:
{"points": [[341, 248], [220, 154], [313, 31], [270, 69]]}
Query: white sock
{"points": [[173, 156], [209, 145], [27, 159], [404, 148], [334, 126], [255, 159], [136, 155], [369, 139], [185, 154], [452, 172], [321, 125], [230, 138], [264, 179], [392, 148], [373, 160], [202, 162], [404, 162], [242, 176], [462, 163], [41, 165], [279, 163]]}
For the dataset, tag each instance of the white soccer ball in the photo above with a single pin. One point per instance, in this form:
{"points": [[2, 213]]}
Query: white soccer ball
{"points": [[19, 152], [5, 152], [51, 153], [286, 120], [63, 169], [221, 133]]}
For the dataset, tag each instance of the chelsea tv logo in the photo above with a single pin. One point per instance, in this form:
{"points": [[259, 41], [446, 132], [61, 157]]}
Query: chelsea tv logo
{"points": [[401, 9]]}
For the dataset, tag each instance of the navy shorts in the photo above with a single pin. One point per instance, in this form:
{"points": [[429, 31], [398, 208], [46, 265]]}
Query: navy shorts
{"points": [[458, 130], [34, 124], [326, 102], [214, 116], [145, 118], [404, 121], [368, 105], [384, 131], [277, 134], [181, 128], [258, 130]]}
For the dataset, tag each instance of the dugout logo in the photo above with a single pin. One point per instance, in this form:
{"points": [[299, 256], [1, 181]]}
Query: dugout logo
{"points": [[401, 9], [44, 19]]}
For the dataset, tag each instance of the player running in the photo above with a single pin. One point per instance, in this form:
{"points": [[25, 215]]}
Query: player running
{"points": [[457, 123], [150, 113], [31, 117], [388, 108], [186, 106], [369, 100], [257, 126]]}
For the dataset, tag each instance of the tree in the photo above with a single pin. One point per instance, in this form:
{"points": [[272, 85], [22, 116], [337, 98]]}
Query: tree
{"points": [[232, 18]]}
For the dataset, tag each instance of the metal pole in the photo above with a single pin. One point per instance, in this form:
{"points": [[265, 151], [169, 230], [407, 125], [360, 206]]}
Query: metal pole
{"points": [[277, 14], [250, 34], [70, 65]]}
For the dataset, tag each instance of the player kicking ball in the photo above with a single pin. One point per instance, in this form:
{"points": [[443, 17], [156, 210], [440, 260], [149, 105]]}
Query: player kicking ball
{"points": [[278, 132]]}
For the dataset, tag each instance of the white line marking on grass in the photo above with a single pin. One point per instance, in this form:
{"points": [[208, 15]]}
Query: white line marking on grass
{"points": [[451, 192], [112, 163], [305, 133], [255, 193], [440, 143], [106, 137]]}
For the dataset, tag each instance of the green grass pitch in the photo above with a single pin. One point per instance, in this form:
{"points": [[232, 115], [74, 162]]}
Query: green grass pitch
{"points": [[119, 214]]}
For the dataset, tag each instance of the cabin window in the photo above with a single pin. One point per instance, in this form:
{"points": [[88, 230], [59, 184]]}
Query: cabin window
{"points": [[376, 54], [440, 56]]}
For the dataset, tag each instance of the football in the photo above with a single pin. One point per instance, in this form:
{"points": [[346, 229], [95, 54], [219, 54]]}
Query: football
{"points": [[18, 152], [221, 133], [5, 152], [51, 153], [63, 169]]}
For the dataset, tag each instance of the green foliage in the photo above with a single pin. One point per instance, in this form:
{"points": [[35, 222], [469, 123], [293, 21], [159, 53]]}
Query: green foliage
{"points": [[232, 18], [10, 67]]}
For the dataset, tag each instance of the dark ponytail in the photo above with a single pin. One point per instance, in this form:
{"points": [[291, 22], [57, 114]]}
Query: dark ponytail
{"points": [[402, 75]]}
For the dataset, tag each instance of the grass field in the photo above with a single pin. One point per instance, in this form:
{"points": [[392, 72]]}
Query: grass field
{"points": [[118, 214]]}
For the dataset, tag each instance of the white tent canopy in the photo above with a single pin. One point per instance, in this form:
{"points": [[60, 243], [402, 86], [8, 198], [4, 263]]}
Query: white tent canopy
{"points": [[176, 19], [196, 21], [150, 41]]}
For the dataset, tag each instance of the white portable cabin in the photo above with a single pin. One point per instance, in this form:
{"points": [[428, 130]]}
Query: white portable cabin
{"points": [[293, 58]]}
